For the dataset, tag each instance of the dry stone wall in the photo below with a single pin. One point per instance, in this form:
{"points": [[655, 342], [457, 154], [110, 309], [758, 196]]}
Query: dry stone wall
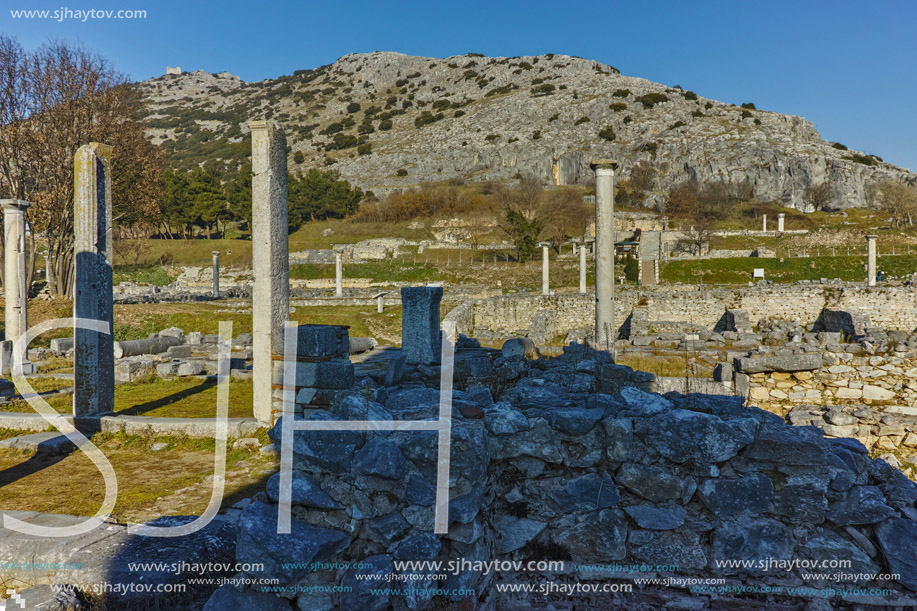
{"points": [[545, 468], [544, 317]]}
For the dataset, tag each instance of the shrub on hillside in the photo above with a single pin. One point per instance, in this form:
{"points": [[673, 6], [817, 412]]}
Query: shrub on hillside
{"points": [[651, 99]]}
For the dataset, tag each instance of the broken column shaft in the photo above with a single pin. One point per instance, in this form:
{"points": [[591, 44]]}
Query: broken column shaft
{"points": [[871, 260], [270, 258], [15, 286], [605, 333], [93, 356], [582, 268], [216, 274]]}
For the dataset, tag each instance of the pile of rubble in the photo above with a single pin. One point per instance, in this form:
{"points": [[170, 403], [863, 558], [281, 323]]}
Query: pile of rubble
{"points": [[567, 459]]}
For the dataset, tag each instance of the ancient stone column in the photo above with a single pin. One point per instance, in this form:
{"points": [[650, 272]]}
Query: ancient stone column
{"points": [[582, 268], [380, 304], [780, 218], [338, 275], [270, 258], [420, 334], [763, 222], [665, 223], [15, 291], [216, 273], [93, 354], [871, 260], [605, 332], [545, 270]]}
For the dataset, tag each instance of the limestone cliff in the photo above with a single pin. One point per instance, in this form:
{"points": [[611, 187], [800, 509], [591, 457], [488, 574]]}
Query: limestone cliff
{"points": [[387, 120]]}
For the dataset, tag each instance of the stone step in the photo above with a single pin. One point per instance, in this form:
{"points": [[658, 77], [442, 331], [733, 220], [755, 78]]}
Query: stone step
{"points": [[43, 443]]}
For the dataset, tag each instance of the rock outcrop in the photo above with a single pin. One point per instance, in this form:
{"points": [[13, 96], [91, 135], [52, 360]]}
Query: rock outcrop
{"points": [[473, 117]]}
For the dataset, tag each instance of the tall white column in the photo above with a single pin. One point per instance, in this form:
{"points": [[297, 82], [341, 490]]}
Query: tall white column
{"points": [[15, 289], [763, 222], [338, 275], [216, 273], [582, 268], [871, 260], [270, 259], [780, 218], [93, 355], [605, 331], [545, 270]]}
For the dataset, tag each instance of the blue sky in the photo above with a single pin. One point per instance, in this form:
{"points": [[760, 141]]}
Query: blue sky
{"points": [[849, 67]]}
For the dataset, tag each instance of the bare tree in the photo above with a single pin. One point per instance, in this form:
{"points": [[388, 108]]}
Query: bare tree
{"points": [[54, 100], [818, 196], [696, 237], [898, 199]]}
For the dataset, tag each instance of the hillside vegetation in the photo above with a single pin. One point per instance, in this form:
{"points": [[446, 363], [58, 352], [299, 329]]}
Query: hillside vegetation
{"points": [[387, 120]]}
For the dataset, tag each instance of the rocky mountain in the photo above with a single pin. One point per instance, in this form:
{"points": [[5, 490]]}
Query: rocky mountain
{"points": [[388, 121]]}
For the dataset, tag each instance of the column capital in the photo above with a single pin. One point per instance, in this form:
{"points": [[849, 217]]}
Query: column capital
{"points": [[215, 253], [260, 124], [11, 205], [604, 164], [872, 237]]}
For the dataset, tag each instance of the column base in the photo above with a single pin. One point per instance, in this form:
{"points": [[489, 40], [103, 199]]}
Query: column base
{"points": [[28, 368]]}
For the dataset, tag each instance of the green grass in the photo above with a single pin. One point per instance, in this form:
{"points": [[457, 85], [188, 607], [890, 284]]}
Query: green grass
{"points": [[179, 398], [142, 275], [739, 270], [169, 482]]}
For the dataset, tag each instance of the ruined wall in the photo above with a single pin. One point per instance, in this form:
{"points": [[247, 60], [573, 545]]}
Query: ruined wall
{"points": [[549, 470], [542, 318]]}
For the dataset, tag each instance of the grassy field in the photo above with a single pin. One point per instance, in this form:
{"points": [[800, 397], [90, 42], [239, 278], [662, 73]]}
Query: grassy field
{"points": [[178, 398], [169, 482], [786, 270], [136, 321]]}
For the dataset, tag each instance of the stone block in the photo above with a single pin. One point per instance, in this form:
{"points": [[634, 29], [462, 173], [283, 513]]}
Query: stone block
{"points": [[189, 368], [337, 374], [420, 333], [166, 369], [848, 393], [742, 384], [849, 322], [179, 352], [723, 372], [786, 363], [611, 379], [738, 321], [322, 341], [394, 371], [173, 332], [129, 371], [877, 393], [61, 344], [6, 356]]}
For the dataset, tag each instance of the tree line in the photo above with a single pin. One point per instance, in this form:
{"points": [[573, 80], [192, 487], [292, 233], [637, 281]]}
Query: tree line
{"points": [[204, 201]]}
